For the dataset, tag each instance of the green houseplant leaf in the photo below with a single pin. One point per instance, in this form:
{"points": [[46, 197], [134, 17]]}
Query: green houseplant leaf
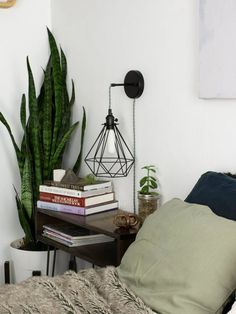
{"points": [[47, 118], [24, 219], [57, 81], [17, 150], [61, 145], [34, 130], [143, 181], [77, 164], [148, 183]]}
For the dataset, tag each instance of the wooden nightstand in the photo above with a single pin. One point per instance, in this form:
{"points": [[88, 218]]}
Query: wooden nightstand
{"points": [[101, 254]]}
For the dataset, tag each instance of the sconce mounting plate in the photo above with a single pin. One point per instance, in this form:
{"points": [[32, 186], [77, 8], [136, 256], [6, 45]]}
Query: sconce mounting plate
{"points": [[134, 84]]}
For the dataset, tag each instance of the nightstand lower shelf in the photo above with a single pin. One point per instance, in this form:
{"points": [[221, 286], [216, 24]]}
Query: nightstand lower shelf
{"points": [[100, 254]]}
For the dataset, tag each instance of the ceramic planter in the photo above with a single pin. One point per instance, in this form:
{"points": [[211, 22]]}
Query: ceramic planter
{"points": [[25, 262]]}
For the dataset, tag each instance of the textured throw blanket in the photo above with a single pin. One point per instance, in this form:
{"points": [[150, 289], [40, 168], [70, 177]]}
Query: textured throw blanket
{"points": [[88, 292]]}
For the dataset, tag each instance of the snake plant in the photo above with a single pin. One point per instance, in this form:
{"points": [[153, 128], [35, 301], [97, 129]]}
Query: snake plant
{"points": [[47, 129]]}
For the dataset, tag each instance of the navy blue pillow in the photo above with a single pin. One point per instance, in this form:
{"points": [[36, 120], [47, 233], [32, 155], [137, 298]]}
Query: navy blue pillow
{"points": [[216, 190]]}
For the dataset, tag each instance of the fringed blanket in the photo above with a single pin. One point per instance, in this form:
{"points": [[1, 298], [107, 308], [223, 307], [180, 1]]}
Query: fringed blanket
{"points": [[88, 292]]}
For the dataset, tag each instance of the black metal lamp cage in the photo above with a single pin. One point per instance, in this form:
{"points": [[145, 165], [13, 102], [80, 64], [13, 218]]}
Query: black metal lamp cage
{"points": [[110, 156]]}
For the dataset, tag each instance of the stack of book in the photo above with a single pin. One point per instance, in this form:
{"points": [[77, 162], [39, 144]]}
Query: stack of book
{"points": [[72, 236], [80, 199]]}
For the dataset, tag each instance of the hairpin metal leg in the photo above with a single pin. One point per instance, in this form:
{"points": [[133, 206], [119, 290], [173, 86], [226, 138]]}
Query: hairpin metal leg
{"points": [[48, 260], [72, 263], [7, 272], [54, 261]]}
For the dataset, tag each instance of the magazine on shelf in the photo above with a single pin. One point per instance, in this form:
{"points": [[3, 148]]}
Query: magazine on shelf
{"points": [[68, 231], [84, 240]]}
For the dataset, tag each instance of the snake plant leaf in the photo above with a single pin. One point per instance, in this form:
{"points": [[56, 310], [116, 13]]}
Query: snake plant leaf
{"points": [[61, 146], [66, 112], [47, 120], [65, 96], [23, 218], [17, 150], [40, 98], [26, 187], [23, 148], [63, 65], [23, 124], [77, 164], [40, 104], [23, 112], [72, 99], [66, 121], [57, 79], [34, 127], [33, 108], [69, 103]]}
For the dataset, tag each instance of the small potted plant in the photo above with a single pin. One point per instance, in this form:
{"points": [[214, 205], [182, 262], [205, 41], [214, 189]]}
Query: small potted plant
{"points": [[148, 196]]}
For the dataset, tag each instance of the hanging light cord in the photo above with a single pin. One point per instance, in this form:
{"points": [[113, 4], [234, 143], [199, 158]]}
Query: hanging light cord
{"points": [[134, 153], [134, 148], [110, 96]]}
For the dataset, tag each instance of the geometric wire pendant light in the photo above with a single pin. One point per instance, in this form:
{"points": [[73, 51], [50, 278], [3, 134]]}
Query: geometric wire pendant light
{"points": [[110, 156]]}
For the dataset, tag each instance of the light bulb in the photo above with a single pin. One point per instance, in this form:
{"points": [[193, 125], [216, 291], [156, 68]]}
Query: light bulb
{"points": [[111, 142]]}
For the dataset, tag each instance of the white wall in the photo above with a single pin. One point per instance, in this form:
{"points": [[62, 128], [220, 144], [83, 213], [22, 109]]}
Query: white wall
{"points": [[180, 133], [23, 32]]}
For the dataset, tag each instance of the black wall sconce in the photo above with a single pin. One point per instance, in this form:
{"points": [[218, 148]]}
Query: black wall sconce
{"points": [[110, 156]]}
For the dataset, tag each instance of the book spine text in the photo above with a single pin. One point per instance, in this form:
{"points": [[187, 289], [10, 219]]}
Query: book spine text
{"points": [[61, 208], [67, 200]]}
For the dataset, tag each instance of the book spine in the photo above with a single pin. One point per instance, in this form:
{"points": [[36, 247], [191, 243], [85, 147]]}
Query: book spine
{"points": [[79, 187], [63, 185], [62, 208], [73, 193], [67, 200], [95, 186], [60, 191]]}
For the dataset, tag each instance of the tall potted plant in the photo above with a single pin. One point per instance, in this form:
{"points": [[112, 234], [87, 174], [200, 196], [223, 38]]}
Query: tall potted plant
{"points": [[47, 129]]}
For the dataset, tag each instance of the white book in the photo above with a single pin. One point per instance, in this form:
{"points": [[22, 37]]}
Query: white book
{"points": [[75, 193]]}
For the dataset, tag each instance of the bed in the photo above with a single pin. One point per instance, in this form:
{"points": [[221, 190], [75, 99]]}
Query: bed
{"points": [[89, 291], [182, 262]]}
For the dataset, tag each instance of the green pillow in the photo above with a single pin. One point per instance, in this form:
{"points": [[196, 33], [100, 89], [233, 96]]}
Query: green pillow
{"points": [[183, 260]]}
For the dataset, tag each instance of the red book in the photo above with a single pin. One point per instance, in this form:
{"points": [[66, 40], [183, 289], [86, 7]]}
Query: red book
{"points": [[76, 201]]}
